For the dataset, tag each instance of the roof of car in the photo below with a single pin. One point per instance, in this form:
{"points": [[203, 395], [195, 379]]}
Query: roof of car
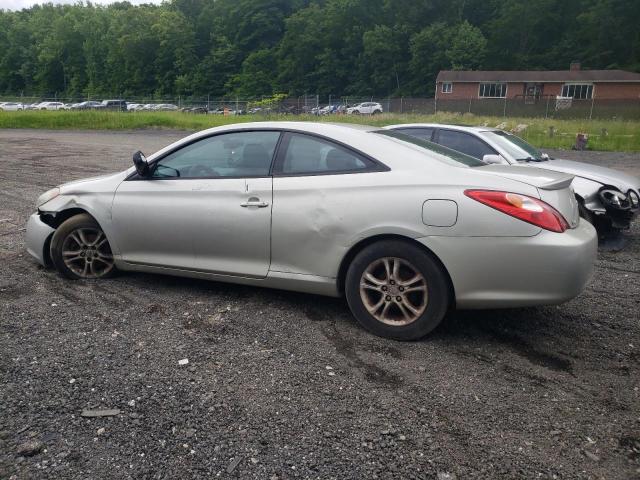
{"points": [[462, 128], [312, 127]]}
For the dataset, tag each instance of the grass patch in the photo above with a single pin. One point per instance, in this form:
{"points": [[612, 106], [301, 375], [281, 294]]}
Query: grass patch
{"points": [[604, 135]]}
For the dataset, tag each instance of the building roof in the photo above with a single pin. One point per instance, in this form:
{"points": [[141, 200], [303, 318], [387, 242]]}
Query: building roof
{"points": [[542, 76]]}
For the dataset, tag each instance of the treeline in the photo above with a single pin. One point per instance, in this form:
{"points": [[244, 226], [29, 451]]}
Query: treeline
{"points": [[250, 48]]}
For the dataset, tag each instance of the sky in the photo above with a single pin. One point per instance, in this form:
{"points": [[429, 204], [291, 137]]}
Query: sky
{"points": [[19, 4]]}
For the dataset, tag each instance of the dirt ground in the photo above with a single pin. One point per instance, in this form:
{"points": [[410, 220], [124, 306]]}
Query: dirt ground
{"points": [[284, 385]]}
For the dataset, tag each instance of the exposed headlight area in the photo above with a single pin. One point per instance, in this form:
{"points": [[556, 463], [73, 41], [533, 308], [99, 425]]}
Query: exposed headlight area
{"points": [[47, 196], [621, 207], [614, 199]]}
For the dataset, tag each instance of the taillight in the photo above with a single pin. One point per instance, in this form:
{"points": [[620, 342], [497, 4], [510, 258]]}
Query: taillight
{"points": [[522, 207]]}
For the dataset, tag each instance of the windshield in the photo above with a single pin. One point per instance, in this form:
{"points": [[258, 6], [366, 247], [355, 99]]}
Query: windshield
{"points": [[515, 146], [451, 155]]}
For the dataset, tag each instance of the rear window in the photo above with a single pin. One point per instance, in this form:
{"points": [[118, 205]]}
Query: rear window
{"points": [[455, 157]]}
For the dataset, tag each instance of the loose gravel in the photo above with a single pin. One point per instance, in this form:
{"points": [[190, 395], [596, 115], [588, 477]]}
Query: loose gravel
{"points": [[149, 376]]}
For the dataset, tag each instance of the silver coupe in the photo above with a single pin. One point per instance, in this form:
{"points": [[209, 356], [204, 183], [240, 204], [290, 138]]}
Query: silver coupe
{"points": [[607, 198], [402, 228]]}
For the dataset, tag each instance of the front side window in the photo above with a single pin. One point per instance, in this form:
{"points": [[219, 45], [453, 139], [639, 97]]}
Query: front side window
{"points": [[493, 90], [447, 87], [580, 91], [306, 154], [465, 143], [239, 154], [514, 146]]}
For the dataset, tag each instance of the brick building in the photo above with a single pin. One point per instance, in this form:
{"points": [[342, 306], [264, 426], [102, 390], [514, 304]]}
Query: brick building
{"points": [[531, 86]]}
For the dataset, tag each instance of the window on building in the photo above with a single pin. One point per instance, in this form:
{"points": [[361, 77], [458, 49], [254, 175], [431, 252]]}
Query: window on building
{"points": [[581, 91], [447, 87], [493, 90]]}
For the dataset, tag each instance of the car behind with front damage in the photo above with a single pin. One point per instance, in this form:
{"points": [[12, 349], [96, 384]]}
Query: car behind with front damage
{"points": [[607, 198]]}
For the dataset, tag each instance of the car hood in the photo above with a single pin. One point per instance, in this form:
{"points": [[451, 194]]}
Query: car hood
{"points": [[93, 184], [604, 175]]}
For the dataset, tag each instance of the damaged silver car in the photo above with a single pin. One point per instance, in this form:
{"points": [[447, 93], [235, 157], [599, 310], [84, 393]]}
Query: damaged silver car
{"points": [[607, 198], [331, 210]]}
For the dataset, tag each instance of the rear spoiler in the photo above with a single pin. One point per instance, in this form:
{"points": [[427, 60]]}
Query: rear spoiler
{"points": [[538, 177]]}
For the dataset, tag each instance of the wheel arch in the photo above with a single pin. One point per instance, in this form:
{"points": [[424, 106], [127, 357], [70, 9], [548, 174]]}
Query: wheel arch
{"points": [[54, 221], [362, 244]]}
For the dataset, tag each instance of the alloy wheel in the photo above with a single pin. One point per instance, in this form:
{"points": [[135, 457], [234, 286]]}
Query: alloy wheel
{"points": [[393, 291], [86, 252]]}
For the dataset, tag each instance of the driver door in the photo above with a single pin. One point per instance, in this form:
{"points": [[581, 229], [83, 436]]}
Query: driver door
{"points": [[205, 207]]}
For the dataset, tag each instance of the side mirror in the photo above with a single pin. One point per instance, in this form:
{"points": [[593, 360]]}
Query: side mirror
{"points": [[141, 163], [491, 159]]}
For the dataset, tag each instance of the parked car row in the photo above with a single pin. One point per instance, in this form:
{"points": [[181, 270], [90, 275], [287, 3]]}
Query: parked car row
{"points": [[155, 107], [364, 108], [406, 222], [115, 105]]}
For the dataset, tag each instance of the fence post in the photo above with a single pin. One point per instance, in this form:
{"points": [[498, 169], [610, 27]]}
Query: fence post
{"points": [[208, 108], [329, 99], [546, 112], [469, 105], [591, 110], [504, 109], [401, 102]]}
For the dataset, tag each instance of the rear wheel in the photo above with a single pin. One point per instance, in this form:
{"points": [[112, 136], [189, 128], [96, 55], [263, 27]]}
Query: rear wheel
{"points": [[80, 249], [396, 290]]}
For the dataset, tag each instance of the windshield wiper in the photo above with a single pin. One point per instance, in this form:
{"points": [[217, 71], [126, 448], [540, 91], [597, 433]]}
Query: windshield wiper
{"points": [[529, 159]]}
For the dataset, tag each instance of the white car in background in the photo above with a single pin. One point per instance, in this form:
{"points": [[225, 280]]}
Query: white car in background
{"points": [[365, 108], [11, 106], [50, 106], [166, 107]]}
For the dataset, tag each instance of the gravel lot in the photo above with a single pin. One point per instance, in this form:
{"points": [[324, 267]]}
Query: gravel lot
{"points": [[283, 385]]}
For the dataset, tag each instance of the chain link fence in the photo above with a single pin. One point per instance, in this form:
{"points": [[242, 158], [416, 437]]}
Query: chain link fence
{"points": [[520, 106]]}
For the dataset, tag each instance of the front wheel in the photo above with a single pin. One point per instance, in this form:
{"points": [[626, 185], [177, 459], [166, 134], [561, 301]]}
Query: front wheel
{"points": [[396, 290], [80, 249]]}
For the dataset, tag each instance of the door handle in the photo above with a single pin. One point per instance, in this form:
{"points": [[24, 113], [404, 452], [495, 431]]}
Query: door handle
{"points": [[254, 202]]}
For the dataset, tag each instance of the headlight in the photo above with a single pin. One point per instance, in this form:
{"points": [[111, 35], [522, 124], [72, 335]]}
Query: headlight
{"points": [[47, 196], [635, 200], [614, 198]]}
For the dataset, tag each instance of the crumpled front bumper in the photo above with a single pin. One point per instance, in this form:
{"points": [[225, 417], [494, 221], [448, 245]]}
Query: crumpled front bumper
{"points": [[37, 238]]}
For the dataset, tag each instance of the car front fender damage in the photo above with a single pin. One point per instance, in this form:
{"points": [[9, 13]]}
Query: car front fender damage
{"points": [[64, 206]]}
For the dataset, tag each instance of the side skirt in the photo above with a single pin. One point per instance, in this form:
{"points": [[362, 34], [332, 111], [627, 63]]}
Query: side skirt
{"points": [[296, 282]]}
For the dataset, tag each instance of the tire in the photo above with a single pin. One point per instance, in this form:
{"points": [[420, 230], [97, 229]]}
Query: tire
{"points": [[80, 249], [376, 112], [395, 294]]}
